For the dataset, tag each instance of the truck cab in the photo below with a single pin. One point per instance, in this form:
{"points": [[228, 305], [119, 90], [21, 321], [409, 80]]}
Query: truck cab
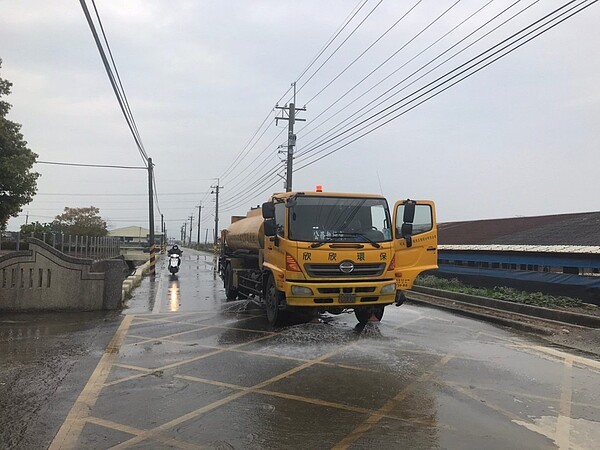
{"points": [[339, 251]]}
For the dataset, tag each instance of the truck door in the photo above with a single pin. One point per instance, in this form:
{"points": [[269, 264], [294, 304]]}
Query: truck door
{"points": [[275, 247], [415, 240]]}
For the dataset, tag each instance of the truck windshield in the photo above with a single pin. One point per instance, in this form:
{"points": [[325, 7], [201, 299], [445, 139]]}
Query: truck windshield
{"points": [[325, 219]]}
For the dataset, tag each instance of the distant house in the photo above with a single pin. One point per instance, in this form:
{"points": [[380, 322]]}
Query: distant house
{"points": [[131, 235], [134, 236]]}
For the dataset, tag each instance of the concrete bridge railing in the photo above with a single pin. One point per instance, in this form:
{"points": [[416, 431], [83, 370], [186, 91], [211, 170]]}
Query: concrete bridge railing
{"points": [[43, 278]]}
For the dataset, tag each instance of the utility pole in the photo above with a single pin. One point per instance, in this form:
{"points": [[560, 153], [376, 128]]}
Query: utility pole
{"points": [[184, 233], [151, 217], [216, 191], [199, 215], [291, 118], [162, 230], [191, 229]]}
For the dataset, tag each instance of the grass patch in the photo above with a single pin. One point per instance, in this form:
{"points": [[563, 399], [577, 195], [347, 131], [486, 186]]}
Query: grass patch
{"points": [[500, 293]]}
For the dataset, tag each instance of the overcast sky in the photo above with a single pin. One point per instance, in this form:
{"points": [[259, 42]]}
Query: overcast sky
{"points": [[518, 138]]}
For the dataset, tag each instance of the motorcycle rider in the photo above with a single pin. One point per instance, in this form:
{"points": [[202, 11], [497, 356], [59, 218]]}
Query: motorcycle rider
{"points": [[175, 250]]}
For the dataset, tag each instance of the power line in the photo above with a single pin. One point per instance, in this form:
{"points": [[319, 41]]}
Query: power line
{"points": [[388, 76], [361, 112], [252, 191], [156, 194], [104, 166], [460, 73], [341, 28], [364, 113], [268, 174], [245, 151], [130, 113], [339, 46], [372, 45], [254, 196], [114, 195], [242, 180], [111, 77]]}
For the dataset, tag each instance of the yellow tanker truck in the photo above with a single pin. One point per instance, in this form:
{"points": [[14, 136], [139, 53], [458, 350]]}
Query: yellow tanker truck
{"points": [[317, 252]]}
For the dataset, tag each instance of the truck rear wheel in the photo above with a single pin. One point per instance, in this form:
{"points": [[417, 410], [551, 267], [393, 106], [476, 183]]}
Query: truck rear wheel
{"points": [[272, 300], [364, 314], [230, 292]]}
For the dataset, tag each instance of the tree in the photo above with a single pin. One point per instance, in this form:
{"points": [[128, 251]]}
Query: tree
{"points": [[18, 183], [36, 229], [80, 222]]}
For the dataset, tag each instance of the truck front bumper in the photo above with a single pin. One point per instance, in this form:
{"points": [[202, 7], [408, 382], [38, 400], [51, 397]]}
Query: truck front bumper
{"points": [[342, 295]]}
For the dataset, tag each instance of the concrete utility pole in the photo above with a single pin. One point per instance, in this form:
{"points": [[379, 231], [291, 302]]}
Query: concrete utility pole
{"points": [[151, 217], [291, 118], [216, 191], [162, 230], [199, 215], [191, 230]]}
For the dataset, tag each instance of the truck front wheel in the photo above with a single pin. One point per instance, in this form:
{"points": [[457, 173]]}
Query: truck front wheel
{"points": [[272, 300], [230, 291]]}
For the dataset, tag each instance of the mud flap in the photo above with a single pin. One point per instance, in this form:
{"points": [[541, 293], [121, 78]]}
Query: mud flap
{"points": [[400, 298]]}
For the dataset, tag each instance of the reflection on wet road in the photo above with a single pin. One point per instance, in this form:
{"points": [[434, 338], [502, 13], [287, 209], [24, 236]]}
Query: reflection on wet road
{"points": [[193, 371], [174, 294]]}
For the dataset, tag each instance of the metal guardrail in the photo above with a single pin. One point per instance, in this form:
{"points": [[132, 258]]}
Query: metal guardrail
{"points": [[520, 309], [91, 247]]}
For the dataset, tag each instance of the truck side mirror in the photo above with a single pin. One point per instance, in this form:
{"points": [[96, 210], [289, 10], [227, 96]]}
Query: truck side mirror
{"points": [[409, 212], [268, 211], [270, 227]]}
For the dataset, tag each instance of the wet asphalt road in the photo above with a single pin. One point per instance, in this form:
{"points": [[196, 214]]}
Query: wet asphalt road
{"points": [[187, 370]]}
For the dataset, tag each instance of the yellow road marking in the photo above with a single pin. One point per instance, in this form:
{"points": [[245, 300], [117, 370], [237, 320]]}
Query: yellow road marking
{"points": [[193, 414], [146, 339], [518, 394], [136, 431], [408, 322], [563, 355], [187, 361], [299, 398], [69, 432], [389, 405], [114, 425], [130, 367]]}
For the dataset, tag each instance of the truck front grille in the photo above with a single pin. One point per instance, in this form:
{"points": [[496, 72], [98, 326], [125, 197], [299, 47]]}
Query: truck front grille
{"points": [[333, 270]]}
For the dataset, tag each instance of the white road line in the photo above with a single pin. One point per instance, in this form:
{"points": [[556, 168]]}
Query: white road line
{"points": [[563, 424], [159, 294]]}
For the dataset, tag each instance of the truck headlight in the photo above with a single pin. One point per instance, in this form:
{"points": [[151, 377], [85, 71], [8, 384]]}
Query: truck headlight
{"points": [[389, 289], [301, 290]]}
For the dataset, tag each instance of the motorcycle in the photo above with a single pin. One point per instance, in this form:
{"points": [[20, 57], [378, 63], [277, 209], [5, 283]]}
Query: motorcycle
{"points": [[174, 261]]}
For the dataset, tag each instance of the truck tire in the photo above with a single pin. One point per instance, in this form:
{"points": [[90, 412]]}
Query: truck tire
{"points": [[230, 292], [272, 300], [364, 314]]}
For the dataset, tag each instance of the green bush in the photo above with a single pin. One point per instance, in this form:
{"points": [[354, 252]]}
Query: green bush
{"points": [[499, 293]]}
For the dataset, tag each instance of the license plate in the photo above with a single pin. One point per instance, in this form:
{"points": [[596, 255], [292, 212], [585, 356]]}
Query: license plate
{"points": [[347, 298]]}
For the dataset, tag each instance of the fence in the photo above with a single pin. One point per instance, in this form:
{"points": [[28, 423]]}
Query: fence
{"points": [[91, 247]]}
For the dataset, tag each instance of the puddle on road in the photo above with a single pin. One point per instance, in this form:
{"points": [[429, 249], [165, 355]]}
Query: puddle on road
{"points": [[24, 337]]}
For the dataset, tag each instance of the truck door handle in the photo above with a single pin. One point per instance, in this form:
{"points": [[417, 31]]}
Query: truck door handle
{"points": [[431, 249]]}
